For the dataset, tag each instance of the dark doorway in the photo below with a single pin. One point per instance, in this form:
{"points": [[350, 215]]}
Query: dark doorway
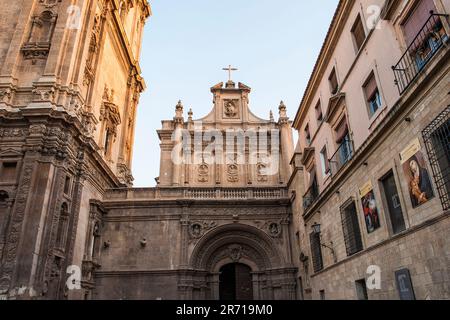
{"points": [[393, 202], [235, 282]]}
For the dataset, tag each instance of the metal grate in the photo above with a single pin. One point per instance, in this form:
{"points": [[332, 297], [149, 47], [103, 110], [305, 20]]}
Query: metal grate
{"points": [[316, 251], [427, 43], [437, 141], [350, 227]]}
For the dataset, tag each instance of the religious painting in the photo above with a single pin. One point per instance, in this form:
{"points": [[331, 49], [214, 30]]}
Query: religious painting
{"points": [[370, 209], [416, 173]]}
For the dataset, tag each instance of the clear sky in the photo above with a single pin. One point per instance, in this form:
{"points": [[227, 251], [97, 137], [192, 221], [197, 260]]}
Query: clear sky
{"points": [[187, 43]]}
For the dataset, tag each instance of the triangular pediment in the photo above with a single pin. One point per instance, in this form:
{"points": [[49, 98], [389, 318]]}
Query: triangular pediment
{"points": [[10, 152], [333, 105]]}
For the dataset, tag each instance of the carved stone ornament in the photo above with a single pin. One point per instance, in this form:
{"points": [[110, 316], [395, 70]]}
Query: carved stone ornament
{"points": [[203, 173], [198, 229], [230, 108], [44, 94], [5, 95], [235, 252], [274, 229], [233, 173], [49, 3], [261, 170]]}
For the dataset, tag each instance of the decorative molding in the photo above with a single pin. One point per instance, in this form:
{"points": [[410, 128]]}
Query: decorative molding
{"points": [[230, 108], [233, 173], [15, 229], [49, 3], [203, 173], [198, 229]]}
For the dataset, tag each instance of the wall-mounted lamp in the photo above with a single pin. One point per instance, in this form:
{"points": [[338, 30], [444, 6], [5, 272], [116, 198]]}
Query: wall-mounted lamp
{"points": [[143, 243], [316, 229], [106, 244]]}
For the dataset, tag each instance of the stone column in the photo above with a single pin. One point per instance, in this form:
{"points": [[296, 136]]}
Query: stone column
{"points": [[215, 289], [255, 282], [178, 138]]}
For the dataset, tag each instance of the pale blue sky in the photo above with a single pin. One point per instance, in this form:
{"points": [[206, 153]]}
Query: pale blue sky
{"points": [[187, 43]]}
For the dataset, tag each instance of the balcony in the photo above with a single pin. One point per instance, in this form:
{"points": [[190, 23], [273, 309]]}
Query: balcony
{"points": [[423, 48], [310, 196], [343, 155]]}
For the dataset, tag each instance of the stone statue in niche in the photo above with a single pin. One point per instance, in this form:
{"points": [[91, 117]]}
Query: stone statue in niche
{"points": [[42, 28], [40, 36], [230, 108]]}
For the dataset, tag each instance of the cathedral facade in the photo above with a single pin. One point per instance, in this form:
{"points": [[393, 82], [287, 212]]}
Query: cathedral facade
{"points": [[218, 224], [358, 210]]}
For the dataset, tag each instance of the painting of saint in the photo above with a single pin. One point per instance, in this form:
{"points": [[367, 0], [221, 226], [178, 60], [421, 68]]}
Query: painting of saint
{"points": [[370, 210], [419, 183]]}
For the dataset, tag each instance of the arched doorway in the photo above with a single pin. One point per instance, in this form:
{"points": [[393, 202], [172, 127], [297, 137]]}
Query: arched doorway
{"points": [[235, 282]]}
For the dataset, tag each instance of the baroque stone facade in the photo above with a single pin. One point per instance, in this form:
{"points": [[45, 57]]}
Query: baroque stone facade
{"points": [[69, 87]]}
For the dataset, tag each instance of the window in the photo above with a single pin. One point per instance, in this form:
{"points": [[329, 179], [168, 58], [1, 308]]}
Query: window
{"points": [[319, 114], [307, 135], [393, 203], [62, 227], [3, 196], [372, 95], [350, 227], [417, 19], [359, 34], [437, 141], [324, 161], [316, 251], [8, 171], [361, 289], [67, 186], [334, 85]]}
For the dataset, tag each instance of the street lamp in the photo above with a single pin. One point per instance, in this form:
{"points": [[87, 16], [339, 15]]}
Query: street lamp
{"points": [[316, 229]]}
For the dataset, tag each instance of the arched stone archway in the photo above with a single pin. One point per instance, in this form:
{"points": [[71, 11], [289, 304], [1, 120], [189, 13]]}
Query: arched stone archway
{"points": [[272, 276]]}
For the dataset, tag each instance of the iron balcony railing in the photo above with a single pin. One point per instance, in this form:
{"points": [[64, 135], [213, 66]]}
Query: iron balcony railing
{"points": [[310, 196], [425, 45], [343, 155]]}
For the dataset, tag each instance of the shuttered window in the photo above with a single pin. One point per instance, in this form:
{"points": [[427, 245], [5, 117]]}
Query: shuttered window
{"points": [[359, 35], [334, 85], [417, 19], [350, 227]]}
